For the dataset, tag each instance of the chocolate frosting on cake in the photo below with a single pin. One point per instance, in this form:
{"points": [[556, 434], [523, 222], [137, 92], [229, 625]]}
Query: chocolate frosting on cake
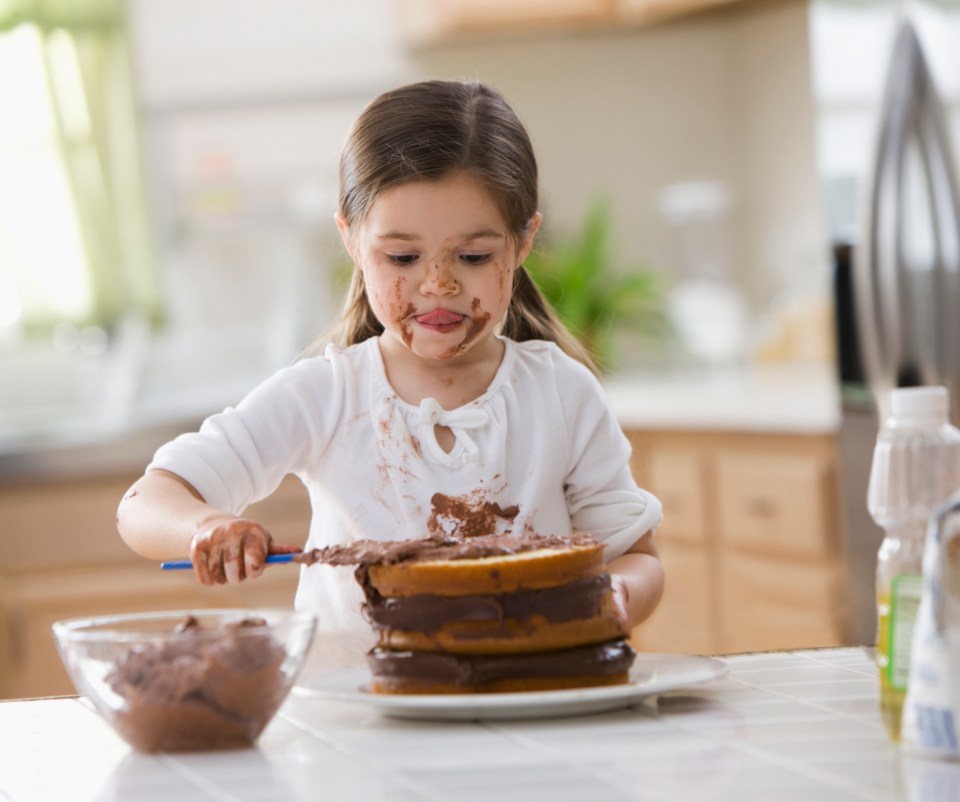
{"points": [[438, 547], [582, 598], [612, 657]]}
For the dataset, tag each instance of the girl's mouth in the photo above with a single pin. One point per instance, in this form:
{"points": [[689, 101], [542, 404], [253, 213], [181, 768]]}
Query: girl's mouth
{"points": [[440, 319]]}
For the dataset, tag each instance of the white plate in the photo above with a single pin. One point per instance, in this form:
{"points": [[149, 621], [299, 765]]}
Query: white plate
{"points": [[651, 674]]}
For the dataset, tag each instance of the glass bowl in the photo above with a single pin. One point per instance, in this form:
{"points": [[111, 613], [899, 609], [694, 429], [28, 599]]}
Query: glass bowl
{"points": [[191, 680]]}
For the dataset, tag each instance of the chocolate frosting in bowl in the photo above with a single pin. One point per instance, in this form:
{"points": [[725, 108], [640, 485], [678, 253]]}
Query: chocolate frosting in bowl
{"points": [[208, 689]]}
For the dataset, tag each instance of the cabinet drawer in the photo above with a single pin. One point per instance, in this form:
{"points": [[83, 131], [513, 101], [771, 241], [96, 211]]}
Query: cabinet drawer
{"points": [[676, 477], [684, 621], [774, 604], [774, 504], [59, 523]]}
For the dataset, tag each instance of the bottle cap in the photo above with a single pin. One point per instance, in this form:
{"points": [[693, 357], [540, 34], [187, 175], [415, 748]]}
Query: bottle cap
{"points": [[920, 405]]}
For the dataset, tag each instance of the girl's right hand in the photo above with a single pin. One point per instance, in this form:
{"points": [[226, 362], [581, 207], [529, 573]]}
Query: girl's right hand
{"points": [[232, 549]]}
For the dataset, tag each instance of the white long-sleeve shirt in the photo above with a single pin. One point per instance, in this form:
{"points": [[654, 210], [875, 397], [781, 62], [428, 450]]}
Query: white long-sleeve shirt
{"points": [[541, 442]]}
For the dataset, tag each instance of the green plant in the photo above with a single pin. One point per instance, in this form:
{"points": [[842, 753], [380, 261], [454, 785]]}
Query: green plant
{"points": [[591, 295]]}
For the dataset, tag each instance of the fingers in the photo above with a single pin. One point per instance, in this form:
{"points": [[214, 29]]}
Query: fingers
{"points": [[229, 551], [253, 557], [281, 548]]}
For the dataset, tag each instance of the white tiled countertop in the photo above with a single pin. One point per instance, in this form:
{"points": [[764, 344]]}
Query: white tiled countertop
{"points": [[801, 398], [797, 726]]}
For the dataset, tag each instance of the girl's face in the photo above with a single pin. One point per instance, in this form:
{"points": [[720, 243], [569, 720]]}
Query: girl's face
{"points": [[438, 265]]}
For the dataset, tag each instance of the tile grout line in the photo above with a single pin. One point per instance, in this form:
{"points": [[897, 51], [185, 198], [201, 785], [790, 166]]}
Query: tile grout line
{"points": [[772, 690], [825, 777], [198, 781], [802, 655], [175, 766], [531, 744], [871, 663], [820, 775], [818, 663], [359, 757]]}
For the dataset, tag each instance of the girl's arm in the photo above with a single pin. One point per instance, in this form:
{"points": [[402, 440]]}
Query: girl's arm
{"points": [[637, 577], [163, 517]]}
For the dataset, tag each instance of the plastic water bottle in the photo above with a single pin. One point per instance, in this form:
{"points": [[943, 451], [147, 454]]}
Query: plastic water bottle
{"points": [[916, 468]]}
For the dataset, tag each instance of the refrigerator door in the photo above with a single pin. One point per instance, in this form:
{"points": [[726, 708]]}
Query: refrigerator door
{"points": [[902, 300], [907, 271]]}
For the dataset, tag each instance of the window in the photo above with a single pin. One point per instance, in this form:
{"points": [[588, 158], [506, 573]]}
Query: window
{"points": [[44, 272], [74, 241]]}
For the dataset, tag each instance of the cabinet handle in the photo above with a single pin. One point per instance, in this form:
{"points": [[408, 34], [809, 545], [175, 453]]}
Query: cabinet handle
{"points": [[673, 503], [761, 507]]}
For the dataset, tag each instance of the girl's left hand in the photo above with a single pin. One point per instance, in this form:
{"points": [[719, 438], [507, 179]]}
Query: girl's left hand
{"points": [[621, 599]]}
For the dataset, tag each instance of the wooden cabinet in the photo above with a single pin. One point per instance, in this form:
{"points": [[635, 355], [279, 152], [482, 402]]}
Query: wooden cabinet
{"points": [[61, 557], [645, 12], [427, 22], [750, 541]]}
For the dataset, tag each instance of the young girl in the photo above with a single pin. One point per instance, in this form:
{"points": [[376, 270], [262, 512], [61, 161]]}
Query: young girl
{"points": [[449, 397]]}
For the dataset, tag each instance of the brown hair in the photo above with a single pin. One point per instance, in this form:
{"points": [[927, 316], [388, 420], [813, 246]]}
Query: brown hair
{"points": [[425, 131]]}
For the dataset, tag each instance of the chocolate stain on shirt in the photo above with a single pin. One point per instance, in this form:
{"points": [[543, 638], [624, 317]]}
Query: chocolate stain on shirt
{"points": [[467, 516]]}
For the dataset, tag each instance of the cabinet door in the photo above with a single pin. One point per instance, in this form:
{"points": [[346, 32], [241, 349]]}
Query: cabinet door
{"points": [[63, 523], [676, 476], [429, 21], [684, 621], [774, 504], [650, 11], [769, 603]]}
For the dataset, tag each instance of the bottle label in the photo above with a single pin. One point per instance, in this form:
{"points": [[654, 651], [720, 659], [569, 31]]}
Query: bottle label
{"points": [[905, 593]]}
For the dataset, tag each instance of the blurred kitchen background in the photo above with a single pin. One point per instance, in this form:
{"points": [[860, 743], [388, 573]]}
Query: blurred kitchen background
{"points": [[167, 190]]}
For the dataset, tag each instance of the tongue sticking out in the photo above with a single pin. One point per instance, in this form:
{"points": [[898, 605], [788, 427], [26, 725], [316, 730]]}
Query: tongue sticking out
{"points": [[439, 317]]}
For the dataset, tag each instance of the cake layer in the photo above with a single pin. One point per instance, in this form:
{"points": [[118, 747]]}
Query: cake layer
{"points": [[429, 672], [575, 614], [511, 637], [539, 568]]}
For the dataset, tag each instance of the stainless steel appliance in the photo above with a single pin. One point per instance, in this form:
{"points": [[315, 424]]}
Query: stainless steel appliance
{"points": [[897, 259]]}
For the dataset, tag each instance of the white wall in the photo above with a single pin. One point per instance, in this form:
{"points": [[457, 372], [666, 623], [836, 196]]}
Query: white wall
{"points": [[258, 96], [723, 96]]}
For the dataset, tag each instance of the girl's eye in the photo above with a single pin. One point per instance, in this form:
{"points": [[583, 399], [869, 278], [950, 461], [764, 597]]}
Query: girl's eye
{"points": [[401, 259], [476, 258]]}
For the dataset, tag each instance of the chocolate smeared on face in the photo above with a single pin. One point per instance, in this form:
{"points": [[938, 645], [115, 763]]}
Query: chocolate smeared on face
{"points": [[406, 328], [478, 323]]}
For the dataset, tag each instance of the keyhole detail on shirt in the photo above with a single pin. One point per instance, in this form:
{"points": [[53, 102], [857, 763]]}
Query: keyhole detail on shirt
{"points": [[445, 437]]}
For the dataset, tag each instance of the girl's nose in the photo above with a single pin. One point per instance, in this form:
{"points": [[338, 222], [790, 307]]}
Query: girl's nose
{"points": [[439, 279]]}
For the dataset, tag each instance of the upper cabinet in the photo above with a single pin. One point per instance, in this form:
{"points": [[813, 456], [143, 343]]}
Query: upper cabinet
{"points": [[429, 22], [646, 12]]}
